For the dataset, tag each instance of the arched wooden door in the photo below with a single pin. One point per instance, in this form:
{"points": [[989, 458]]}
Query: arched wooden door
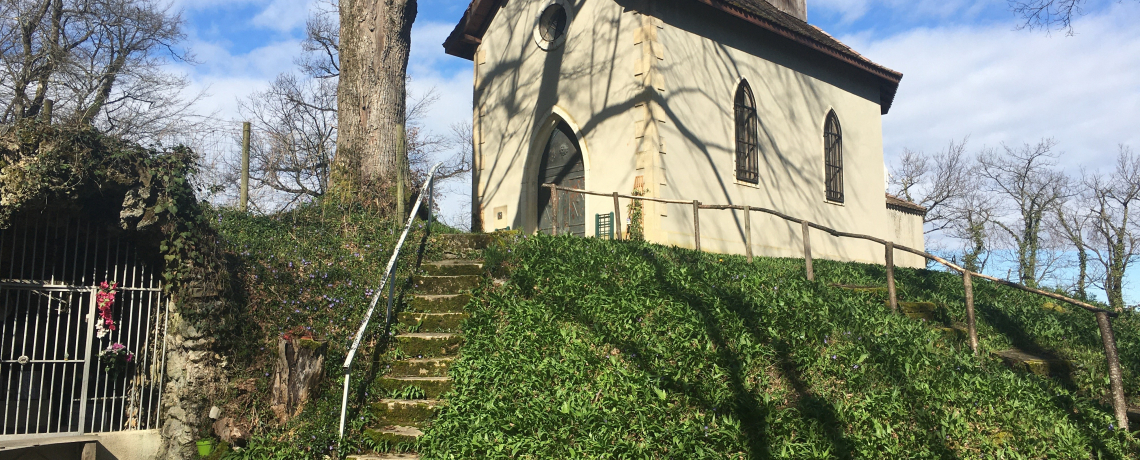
{"points": [[562, 164]]}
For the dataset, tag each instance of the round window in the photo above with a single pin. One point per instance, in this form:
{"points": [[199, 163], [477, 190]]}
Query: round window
{"points": [[551, 25]]}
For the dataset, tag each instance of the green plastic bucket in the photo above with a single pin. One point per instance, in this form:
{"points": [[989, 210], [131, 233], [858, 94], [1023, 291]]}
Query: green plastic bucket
{"points": [[205, 447]]}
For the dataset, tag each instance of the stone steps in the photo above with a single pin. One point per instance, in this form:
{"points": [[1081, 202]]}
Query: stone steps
{"points": [[918, 310], [432, 322], [444, 285], [429, 387], [440, 303], [428, 344], [405, 412], [453, 267], [436, 311], [1044, 366], [426, 367]]}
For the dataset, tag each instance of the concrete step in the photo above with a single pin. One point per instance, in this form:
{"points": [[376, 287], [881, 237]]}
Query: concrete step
{"points": [[431, 387], [467, 240], [1134, 418], [437, 285], [426, 367], [957, 331], [453, 267], [863, 289], [1041, 365], [918, 310], [394, 434], [429, 344], [433, 322], [443, 303], [384, 457], [405, 412]]}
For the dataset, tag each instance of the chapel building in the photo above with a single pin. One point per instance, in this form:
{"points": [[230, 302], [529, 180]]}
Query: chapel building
{"points": [[737, 102]]}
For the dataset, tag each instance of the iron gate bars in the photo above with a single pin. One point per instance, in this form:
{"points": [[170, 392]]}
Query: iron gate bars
{"points": [[52, 378]]}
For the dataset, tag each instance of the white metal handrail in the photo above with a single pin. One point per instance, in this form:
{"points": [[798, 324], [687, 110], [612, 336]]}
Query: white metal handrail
{"points": [[389, 274]]}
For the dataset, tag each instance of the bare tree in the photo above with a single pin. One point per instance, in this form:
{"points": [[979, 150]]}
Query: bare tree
{"points": [[1115, 235], [939, 182], [99, 60], [1025, 179], [1073, 225], [972, 220], [295, 122], [1048, 14]]}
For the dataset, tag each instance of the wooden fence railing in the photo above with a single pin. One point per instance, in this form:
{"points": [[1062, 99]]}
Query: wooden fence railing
{"points": [[1103, 316]]}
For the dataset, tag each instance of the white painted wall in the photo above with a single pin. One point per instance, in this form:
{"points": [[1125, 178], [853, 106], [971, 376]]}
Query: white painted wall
{"points": [[590, 82]]}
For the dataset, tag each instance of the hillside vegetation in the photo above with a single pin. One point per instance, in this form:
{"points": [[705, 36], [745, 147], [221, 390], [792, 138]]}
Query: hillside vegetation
{"points": [[629, 350]]}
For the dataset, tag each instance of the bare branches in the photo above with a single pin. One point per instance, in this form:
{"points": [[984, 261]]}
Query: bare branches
{"points": [[99, 60], [1114, 234], [1047, 14], [1025, 178]]}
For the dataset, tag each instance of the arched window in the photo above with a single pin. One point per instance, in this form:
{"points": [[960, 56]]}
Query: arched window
{"points": [[747, 145], [833, 157]]}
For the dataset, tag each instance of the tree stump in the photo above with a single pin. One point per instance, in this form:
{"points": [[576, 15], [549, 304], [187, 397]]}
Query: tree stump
{"points": [[300, 365]]}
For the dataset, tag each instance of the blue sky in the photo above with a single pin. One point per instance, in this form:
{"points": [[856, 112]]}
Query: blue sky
{"points": [[968, 70]]}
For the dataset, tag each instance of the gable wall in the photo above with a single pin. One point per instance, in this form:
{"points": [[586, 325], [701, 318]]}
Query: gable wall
{"points": [[587, 81]]}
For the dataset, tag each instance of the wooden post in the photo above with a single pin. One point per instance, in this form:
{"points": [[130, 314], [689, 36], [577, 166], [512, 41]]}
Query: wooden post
{"points": [[45, 112], [807, 250], [554, 210], [1119, 406], [244, 198], [697, 223], [617, 218], [890, 263], [748, 232], [971, 325], [401, 156]]}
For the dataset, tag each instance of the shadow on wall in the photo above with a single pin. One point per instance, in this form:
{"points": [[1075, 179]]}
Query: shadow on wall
{"points": [[510, 76]]}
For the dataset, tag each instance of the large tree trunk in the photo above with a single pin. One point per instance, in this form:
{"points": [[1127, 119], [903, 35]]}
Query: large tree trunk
{"points": [[375, 40]]}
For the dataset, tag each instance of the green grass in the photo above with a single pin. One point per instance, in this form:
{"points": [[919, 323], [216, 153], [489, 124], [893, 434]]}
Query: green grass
{"points": [[597, 349]]}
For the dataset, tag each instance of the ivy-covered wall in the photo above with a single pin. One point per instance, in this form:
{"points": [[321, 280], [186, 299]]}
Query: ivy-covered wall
{"points": [[147, 194]]}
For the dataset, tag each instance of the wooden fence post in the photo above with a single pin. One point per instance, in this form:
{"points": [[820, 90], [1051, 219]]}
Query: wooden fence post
{"points": [[243, 200], [1119, 405], [748, 232], [617, 218], [807, 250], [554, 213], [971, 325], [890, 263], [697, 223]]}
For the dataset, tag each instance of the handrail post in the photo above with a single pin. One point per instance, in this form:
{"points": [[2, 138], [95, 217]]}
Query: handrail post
{"points": [[697, 223], [1119, 405], [807, 250], [431, 201], [748, 232], [344, 399], [890, 264], [971, 324], [617, 218]]}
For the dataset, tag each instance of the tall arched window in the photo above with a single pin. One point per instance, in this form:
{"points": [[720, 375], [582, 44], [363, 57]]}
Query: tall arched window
{"points": [[833, 157], [747, 145]]}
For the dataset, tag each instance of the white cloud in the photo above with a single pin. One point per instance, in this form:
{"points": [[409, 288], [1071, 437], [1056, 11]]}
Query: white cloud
{"points": [[1000, 85], [283, 15]]}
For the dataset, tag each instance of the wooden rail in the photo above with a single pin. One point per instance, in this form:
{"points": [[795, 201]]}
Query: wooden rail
{"points": [[1103, 317]]}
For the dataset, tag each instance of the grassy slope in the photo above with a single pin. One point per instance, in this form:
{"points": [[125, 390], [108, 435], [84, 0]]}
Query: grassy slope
{"points": [[627, 350], [308, 271]]}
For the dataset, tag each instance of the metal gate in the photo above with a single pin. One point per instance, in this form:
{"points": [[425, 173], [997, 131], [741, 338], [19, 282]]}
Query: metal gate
{"points": [[77, 355]]}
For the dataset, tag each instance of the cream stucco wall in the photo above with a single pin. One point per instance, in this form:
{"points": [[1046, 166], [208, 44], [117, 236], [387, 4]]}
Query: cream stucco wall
{"points": [[651, 95]]}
